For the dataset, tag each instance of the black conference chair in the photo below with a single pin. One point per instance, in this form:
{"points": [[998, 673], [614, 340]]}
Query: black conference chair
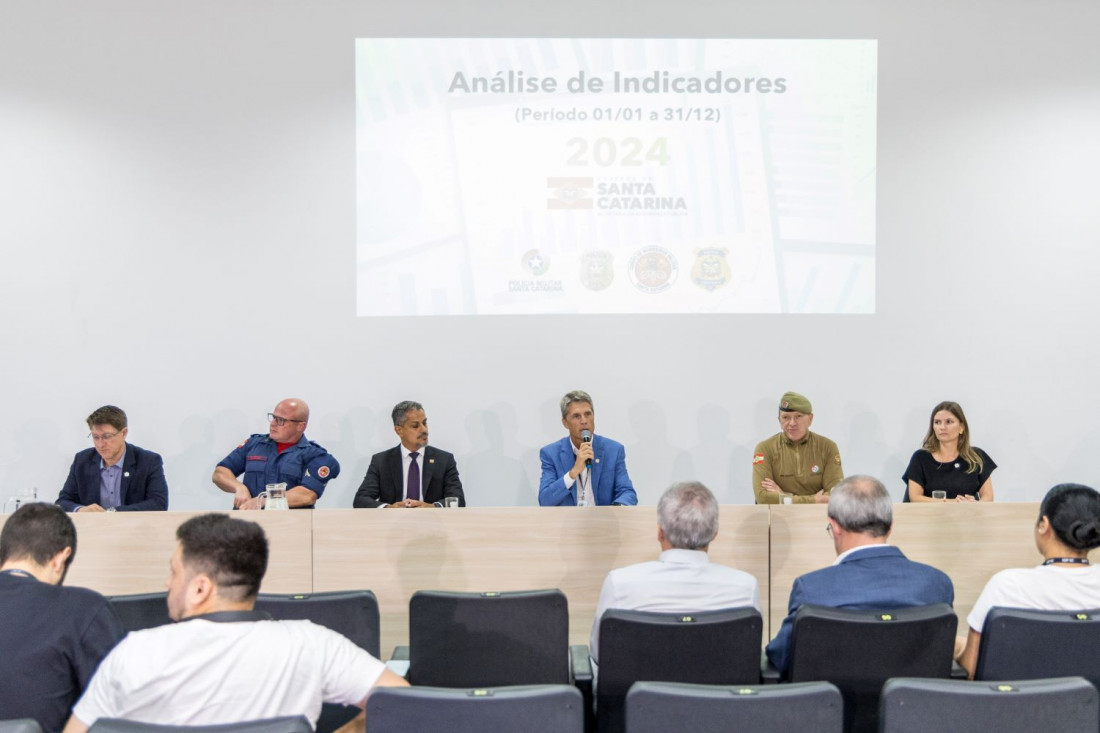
{"points": [[289, 724], [859, 650], [659, 707], [520, 709], [20, 725], [1063, 705], [352, 613], [141, 610], [1019, 644], [488, 639], [710, 647]]}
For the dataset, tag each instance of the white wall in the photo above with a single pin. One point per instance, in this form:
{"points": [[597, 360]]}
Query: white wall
{"points": [[177, 231]]}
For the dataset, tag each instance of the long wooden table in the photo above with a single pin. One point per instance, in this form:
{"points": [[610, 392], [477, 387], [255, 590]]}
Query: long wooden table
{"points": [[395, 553]]}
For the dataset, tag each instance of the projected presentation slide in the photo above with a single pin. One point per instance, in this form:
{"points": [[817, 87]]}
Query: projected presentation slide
{"points": [[558, 176]]}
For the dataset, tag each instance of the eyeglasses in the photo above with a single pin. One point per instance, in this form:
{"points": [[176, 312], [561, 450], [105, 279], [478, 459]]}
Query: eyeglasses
{"points": [[280, 421], [106, 437], [829, 529]]}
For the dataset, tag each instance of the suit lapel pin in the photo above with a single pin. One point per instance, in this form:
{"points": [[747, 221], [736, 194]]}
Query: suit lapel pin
{"points": [[597, 460], [431, 460], [126, 474]]}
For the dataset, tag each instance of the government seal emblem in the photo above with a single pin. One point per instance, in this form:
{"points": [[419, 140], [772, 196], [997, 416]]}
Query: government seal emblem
{"points": [[653, 269]]}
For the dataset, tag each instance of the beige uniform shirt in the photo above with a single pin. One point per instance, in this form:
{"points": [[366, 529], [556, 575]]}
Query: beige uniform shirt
{"points": [[802, 468]]}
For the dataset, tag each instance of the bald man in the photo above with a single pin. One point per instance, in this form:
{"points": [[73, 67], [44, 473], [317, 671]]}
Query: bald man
{"points": [[283, 456]]}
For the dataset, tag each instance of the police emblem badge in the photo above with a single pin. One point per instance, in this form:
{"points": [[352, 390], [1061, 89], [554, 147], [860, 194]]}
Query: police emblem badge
{"points": [[596, 271], [535, 262], [711, 271]]}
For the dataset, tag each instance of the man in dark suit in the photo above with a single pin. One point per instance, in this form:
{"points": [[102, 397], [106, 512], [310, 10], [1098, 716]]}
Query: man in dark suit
{"points": [[114, 475], [582, 469], [867, 573], [413, 474]]}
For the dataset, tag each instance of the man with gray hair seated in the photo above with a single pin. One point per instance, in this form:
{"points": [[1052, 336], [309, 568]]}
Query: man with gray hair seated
{"points": [[867, 573], [683, 580], [581, 469]]}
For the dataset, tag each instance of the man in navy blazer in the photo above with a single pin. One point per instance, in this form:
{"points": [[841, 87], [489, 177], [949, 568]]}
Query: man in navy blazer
{"points": [[413, 474], [867, 573], [583, 469], [114, 475]]}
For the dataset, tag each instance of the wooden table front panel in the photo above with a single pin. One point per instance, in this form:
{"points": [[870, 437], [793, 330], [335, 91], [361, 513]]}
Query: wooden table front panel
{"points": [[397, 552]]}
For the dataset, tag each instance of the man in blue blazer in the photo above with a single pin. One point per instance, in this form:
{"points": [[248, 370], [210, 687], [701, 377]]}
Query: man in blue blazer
{"points": [[114, 475], [583, 469], [867, 573]]}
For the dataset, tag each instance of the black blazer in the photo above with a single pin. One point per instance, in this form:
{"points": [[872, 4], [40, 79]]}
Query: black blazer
{"points": [[143, 486], [384, 482]]}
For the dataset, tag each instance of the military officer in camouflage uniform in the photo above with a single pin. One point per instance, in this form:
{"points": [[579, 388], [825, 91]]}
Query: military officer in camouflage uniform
{"points": [[795, 461]]}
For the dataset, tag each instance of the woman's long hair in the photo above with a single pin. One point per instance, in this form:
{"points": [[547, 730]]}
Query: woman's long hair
{"points": [[932, 443]]}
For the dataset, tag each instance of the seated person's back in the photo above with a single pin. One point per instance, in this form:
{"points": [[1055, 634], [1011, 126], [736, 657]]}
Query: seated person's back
{"points": [[224, 662], [51, 637]]}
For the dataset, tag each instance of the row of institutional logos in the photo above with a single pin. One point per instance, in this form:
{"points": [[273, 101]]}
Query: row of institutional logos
{"points": [[651, 269]]}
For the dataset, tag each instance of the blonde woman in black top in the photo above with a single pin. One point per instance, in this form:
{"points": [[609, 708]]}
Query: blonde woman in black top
{"points": [[948, 462]]}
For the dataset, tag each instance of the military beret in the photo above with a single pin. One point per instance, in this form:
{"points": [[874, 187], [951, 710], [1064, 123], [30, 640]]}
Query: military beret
{"points": [[794, 402]]}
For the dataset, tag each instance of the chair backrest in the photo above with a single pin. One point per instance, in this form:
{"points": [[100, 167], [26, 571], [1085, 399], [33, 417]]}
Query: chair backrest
{"points": [[488, 639], [858, 650], [658, 707], [289, 724], [20, 725], [709, 647], [141, 610], [1062, 705], [353, 613], [519, 709], [1019, 644]]}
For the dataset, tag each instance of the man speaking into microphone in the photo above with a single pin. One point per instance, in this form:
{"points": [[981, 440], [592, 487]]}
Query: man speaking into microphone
{"points": [[583, 469]]}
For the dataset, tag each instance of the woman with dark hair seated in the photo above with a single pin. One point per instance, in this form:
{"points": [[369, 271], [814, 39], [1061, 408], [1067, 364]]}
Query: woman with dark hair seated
{"points": [[1068, 527], [947, 462]]}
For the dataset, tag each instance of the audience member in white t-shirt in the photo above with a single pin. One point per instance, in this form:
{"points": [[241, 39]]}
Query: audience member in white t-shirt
{"points": [[1068, 527], [223, 661]]}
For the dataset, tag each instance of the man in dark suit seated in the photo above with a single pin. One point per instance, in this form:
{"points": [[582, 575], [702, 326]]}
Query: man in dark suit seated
{"points": [[413, 474], [868, 573], [114, 475]]}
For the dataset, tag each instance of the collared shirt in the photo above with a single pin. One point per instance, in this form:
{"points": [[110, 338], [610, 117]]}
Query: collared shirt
{"points": [[802, 469], [406, 461], [258, 462], [110, 482], [680, 581], [846, 553], [585, 478]]}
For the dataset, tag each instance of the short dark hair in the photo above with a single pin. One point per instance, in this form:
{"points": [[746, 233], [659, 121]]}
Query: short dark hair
{"points": [[402, 409], [108, 415], [1073, 511], [37, 531], [232, 552]]}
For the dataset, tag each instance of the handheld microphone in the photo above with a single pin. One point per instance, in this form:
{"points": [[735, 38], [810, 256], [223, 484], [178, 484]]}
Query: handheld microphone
{"points": [[586, 437]]}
